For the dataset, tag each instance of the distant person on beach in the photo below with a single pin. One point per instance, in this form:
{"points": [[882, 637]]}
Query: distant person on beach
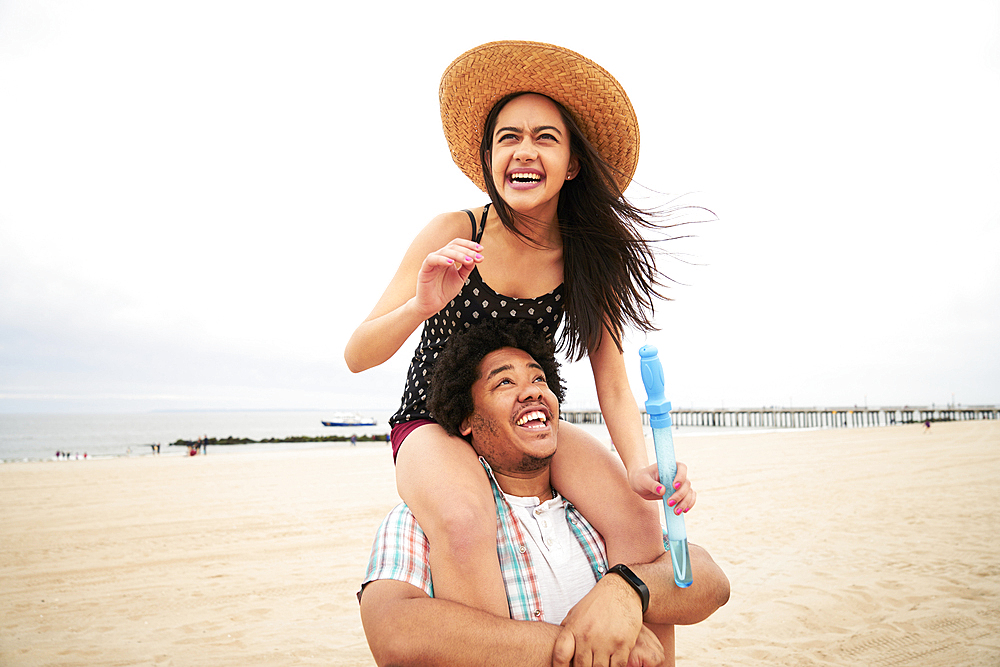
{"points": [[553, 139], [499, 387], [927, 426], [354, 440]]}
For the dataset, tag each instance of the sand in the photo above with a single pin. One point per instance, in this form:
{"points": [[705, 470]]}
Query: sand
{"points": [[844, 547]]}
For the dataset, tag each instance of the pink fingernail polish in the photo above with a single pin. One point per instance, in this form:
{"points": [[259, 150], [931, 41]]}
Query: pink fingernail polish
{"points": [[677, 485], [468, 259], [677, 511], [671, 502], [659, 489], [478, 256]]}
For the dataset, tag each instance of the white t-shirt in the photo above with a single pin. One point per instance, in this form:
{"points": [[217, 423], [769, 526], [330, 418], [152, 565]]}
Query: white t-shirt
{"points": [[561, 567]]}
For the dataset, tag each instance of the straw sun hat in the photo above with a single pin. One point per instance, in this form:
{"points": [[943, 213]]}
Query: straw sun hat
{"points": [[479, 78]]}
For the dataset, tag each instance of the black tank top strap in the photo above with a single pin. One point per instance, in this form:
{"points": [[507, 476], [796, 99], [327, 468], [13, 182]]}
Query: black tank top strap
{"points": [[482, 223], [472, 219], [477, 237]]}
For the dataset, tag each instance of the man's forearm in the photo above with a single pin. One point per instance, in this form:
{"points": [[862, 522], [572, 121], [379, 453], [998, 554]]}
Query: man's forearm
{"points": [[406, 629], [683, 606]]}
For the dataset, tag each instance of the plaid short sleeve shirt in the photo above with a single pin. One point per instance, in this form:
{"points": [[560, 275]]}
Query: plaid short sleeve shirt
{"points": [[401, 551]]}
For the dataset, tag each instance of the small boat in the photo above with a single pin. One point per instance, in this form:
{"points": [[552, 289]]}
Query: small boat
{"points": [[350, 420]]}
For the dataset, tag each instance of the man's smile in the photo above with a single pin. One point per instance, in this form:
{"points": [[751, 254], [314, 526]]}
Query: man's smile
{"points": [[533, 420]]}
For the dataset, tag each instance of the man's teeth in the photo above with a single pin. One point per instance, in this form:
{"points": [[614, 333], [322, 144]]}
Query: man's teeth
{"points": [[532, 416], [525, 178]]}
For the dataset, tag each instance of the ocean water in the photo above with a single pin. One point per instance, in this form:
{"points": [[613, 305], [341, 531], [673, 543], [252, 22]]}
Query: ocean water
{"points": [[37, 437]]}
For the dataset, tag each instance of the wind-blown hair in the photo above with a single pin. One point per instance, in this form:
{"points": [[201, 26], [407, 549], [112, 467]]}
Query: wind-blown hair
{"points": [[609, 271], [457, 368]]}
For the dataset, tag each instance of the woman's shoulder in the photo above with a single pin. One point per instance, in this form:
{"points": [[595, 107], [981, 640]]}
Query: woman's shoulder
{"points": [[436, 234], [453, 224]]}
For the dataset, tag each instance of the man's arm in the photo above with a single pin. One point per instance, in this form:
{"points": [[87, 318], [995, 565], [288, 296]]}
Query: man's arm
{"points": [[614, 603], [406, 627], [669, 604], [682, 606]]}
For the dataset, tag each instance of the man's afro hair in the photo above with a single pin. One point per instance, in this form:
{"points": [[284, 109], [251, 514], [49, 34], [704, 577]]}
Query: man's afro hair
{"points": [[457, 368]]}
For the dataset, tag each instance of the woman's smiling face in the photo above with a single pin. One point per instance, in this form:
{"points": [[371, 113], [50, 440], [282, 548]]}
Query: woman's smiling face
{"points": [[530, 155]]}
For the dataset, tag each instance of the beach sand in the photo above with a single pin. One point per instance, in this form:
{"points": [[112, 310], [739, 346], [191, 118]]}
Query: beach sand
{"points": [[867, 547]]}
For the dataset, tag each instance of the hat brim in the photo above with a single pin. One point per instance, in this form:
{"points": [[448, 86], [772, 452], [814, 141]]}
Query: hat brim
{"points": [[480, 77]]}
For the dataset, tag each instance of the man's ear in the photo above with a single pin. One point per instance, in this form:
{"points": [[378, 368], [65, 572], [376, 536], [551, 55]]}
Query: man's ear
{"points": [[465, 428]]}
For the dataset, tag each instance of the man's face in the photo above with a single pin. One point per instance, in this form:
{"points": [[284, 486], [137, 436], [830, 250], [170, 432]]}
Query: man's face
{"points": [[515, 416]]}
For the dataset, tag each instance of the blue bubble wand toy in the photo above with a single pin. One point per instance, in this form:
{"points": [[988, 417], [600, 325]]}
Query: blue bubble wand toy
{"points": [[658, 409]]}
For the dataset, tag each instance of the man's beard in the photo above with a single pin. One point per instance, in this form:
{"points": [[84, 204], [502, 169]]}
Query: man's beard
{"points": [[532, 463], [528, 462]]}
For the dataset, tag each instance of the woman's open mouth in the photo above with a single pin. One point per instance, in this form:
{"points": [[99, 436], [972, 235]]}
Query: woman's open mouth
{"points": [[524, 180]]}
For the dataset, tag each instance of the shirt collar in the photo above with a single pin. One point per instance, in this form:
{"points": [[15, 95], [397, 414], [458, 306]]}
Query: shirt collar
{"points": [[499, 493]]}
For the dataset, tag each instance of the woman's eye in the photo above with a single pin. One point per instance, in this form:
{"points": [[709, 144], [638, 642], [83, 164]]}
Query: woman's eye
{"points": [[506, 138], [548, 137]]}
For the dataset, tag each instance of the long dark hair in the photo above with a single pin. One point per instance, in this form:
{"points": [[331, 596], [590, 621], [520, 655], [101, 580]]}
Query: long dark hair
{"points": [[609, 270]]}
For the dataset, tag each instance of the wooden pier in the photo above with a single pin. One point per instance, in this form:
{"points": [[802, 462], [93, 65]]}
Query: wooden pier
{"points": [[855, 417]]}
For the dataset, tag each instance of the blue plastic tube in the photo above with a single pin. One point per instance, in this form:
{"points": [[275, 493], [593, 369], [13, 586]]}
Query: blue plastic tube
{"points": [[658, 409]]}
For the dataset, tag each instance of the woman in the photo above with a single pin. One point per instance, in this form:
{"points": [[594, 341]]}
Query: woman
{"points": [[553, 140]]}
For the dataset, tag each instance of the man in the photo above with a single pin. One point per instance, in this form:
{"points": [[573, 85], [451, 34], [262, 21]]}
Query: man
{"points": [[500, 388]]}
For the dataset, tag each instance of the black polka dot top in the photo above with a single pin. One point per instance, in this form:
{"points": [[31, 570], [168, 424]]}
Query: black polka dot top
{"points": [[475, 303]]}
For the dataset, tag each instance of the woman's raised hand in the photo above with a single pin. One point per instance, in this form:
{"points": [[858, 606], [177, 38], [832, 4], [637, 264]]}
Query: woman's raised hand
{"points": [[444, 272], [646, 483]]}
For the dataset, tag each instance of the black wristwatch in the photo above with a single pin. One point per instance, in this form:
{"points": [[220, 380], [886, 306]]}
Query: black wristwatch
{"points": [[633, 581]]}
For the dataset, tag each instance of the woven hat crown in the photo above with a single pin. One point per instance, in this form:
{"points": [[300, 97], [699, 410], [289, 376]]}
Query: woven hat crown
{"points": [[480, 77]]}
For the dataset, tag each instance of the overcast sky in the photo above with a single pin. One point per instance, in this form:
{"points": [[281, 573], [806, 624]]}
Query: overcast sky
{"points": [[199, 201]]}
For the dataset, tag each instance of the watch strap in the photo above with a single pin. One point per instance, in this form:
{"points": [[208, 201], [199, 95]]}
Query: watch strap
{"points": [[635, 582]]}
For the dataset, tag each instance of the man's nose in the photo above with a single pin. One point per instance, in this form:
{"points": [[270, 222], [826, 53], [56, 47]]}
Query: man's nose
{"points": [[531, 391]]}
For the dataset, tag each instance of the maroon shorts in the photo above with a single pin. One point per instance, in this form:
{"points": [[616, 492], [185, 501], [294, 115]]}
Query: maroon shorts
{"points": [[399, 432]]}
